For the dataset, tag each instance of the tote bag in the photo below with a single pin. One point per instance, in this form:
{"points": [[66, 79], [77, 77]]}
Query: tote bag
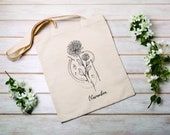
{"points": [[80, 62]]}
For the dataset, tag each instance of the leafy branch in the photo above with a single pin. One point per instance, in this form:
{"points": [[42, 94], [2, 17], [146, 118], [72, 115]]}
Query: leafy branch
{"points": [[24, 97], [157, 71]]}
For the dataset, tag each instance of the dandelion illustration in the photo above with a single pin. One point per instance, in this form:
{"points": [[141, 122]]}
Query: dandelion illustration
{"points": [[85, 56], [74, 48], [81, 66]]}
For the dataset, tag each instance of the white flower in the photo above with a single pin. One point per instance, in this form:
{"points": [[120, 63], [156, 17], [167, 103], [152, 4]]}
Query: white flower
{"points": [[148, 45], [23, 95], [152, 43], [150, 33], [146, 35], [145, 24], [138, 17], [138, 32], [160, 51], [19, 104], [162, 42], [149, 80], [152, 77], [147, 70], [28, 106], [31, 96], [17, 95], [135, 18], [151, 55], [22, 84], [147, 60]]}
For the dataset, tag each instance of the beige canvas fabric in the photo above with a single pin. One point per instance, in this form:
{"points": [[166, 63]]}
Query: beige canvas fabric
{"points": [[80, 62]]}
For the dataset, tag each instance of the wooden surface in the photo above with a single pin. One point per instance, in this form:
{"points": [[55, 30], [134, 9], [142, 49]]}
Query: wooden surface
{"points": [[129, 117]]}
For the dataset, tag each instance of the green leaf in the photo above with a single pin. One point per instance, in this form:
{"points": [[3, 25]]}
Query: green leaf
{"points": [[29, 111], [10, 81], [167, 59], [158, 100], [14, 89], [7, 82], [153, 97]]}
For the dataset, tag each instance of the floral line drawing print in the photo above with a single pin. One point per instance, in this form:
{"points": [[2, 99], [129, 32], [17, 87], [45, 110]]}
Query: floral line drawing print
{"points": [[81, 64]]}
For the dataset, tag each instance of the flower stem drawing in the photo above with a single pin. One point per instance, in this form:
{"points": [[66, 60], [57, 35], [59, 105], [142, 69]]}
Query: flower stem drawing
{"points": [[81, 64], [95, 70]]}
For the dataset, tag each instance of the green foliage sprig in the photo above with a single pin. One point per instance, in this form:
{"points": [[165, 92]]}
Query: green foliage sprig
{"points": [[157, 71], [23, 95]]}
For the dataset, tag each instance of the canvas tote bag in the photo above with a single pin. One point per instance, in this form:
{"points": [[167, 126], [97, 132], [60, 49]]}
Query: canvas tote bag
{"points": [[80, 63]]}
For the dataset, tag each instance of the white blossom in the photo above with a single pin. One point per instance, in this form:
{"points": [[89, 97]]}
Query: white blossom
{"points": [[152, 55], [138, 32], [147, 70], [150, 32], [149, 65], [145, 25], [161, 42], [140, 26], [22, 84], [135, 18], [147, 60], [160, 51], [152, 77], [148, 45], [29, 98], [17, 95]]}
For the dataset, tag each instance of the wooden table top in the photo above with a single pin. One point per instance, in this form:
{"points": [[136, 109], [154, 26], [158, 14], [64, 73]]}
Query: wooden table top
{"points": [[129, 117]]}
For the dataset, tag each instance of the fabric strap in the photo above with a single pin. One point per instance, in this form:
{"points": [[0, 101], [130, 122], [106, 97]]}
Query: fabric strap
{"points": [[17, 51]]}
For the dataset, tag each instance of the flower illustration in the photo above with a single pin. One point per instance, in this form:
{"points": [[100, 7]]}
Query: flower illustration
{"points": [[81, 66], [85, 56], [74, 48]]}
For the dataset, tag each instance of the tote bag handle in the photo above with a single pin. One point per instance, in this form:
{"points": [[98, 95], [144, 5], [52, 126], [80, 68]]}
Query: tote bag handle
{"points": [[16, 52]]}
